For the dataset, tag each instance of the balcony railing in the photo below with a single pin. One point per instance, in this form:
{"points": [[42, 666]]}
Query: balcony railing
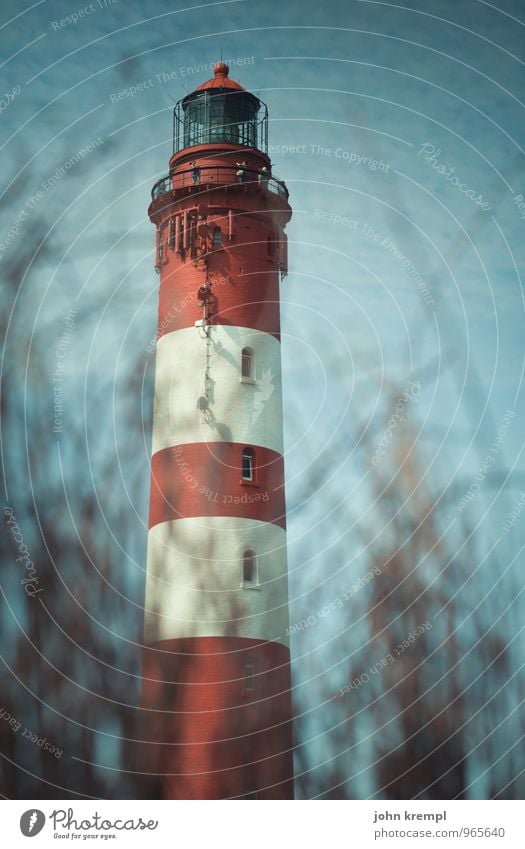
{"points": [[207, 176], [211, 116]]}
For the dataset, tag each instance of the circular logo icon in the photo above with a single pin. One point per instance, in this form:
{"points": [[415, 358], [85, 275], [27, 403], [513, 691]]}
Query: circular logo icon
{"points": [[32, 822]]}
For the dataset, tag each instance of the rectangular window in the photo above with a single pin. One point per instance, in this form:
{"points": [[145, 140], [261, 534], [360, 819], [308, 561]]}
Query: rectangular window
{"points": [[247, 466], [158, 250], [249, 677], [246, 363], [248, 567]]}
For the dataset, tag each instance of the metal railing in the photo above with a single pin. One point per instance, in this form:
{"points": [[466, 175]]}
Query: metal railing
{"points": [[218, 175], [213, 116]]}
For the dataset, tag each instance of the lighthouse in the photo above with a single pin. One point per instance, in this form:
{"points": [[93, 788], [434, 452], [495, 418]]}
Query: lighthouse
{"points": [[216, 684]]}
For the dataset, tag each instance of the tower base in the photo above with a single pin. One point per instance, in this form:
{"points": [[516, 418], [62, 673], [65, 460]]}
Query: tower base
{"points": [[217, 714]]}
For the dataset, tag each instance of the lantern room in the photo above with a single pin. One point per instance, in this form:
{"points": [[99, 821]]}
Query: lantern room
{"points": [[220, 111]]}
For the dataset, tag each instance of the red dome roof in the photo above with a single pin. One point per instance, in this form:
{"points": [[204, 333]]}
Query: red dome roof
{"points": [[221, 79]]}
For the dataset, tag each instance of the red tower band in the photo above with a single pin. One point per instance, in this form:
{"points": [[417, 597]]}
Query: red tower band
{"points": [[216, 690]]}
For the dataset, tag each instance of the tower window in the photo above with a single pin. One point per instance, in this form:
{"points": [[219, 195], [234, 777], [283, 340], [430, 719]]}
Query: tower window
{"points": [[217, 237], [249, 567], [249, 676], [248, 465], [158, 250], [247, 363]]}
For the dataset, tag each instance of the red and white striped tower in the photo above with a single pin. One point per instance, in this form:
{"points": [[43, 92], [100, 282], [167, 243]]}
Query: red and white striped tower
{"points": [[216, 667]]}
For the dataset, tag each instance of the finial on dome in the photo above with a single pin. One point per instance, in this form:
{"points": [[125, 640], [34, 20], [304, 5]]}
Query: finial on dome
{"points": [[221, 69]]}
